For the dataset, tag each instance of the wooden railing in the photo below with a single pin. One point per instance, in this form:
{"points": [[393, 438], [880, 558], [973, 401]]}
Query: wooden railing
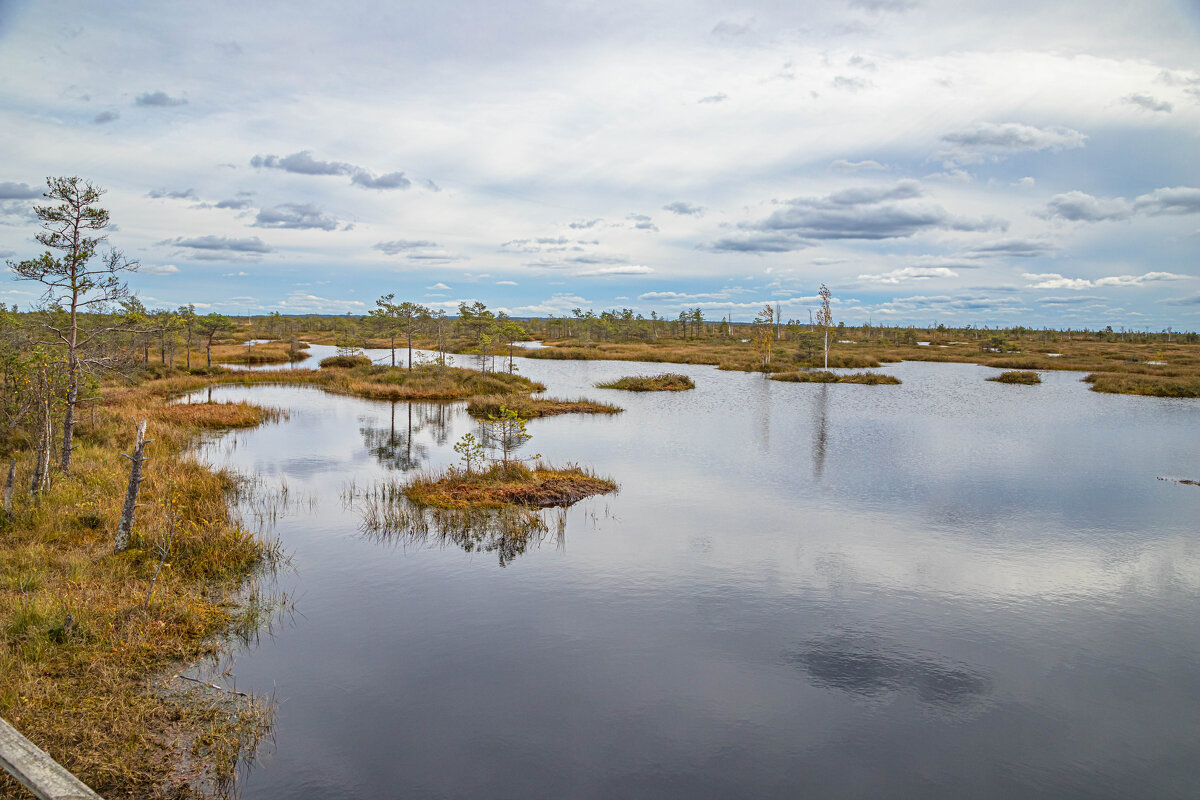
{"points": [[38, 772]]}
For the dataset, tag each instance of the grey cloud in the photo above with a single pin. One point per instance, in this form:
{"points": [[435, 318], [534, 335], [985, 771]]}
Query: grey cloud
{"points": [[18, 191], [213, 243], [642, 222], [1176, 200], [1007, 138], [179, 194], [866, 213], [597, 259], [397, 246], [235, 203], [731, 30], [159, 99], [392, 180], [1194, 300], [684, 209], [861, 63], [1068, 301], [430, 185], [714, 98], [842, 165], [1020, 248], [303, 163], [879, 6], [850, 84], [762, 243], [106, 116], [1148, 103], [298, 216], [590, 223], [1082, 207]]}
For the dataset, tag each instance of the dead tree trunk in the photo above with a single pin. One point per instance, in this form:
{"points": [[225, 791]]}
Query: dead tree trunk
{"points": [[131, 494], [8, 485], [41, 470]]}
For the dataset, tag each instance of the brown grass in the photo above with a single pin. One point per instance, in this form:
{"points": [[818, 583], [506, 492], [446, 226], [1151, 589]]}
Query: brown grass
{"points": [[1149, 385], [216, 415], [532, 407], [345, 362], [823, 376], [80, 643], [666, 382], [502, 485], [1023, 378], [264, 353]]}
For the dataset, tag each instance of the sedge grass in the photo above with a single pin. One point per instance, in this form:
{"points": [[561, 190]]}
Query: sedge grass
{"points": [[531, 407], [666, 382]]}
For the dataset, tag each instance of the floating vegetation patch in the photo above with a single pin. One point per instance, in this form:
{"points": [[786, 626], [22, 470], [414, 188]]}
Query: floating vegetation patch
{"points": [[388, 516], [1025, 378], [530, 407], [824, 376], [503, 485], [1151, 385], [345, 362], [667, 382], [218, 415]]}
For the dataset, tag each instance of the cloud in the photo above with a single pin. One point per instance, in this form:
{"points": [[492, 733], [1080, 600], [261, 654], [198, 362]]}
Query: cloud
{"points": [[910, 274], [880, 6], [714, 98], [684, 209], [299, 302], [872, 213], [1081, 207], [1001, 139], [841, 165], [1052, 280], [1053, 300], [179, 194], [159, 99], [642, 222], [1177, 200], [397, 246], [18, 191], [157, 269], [303, 163], [220, 243], [583, 224], [298, 216], [731, 30], [850, 84], [507, 283], [392, 180], [685, 297], [430, 185], [1018, 248], [1194, 300], [106, 116], [234, 203], [628, 269], [438, 287], [1148, 103]]}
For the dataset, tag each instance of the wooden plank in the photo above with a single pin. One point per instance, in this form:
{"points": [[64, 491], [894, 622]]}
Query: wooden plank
{"points": [[38, 772]]}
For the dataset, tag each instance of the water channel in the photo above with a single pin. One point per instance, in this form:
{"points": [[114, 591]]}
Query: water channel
{"points": [[947, 588]]}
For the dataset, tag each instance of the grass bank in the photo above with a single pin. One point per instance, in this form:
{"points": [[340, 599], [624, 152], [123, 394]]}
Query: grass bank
{"points": [[1025, 378], [531, 407], [824, 376], [276, 352], [666, 382], [502, 485], [87, 631]]}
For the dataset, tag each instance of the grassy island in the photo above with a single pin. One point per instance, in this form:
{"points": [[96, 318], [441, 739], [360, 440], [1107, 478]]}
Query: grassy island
{"points": [[531, 407], [345, 362], [1022, 377], [502, 485], [275, 352], [824, 376], [666, 382]]}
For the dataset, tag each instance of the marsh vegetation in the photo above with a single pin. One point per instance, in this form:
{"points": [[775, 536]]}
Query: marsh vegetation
{"points": [[666, 382]]}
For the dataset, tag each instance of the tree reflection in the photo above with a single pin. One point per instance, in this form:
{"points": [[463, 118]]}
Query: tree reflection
{"points": [[388, 517], [820, 407], [395, 449]]}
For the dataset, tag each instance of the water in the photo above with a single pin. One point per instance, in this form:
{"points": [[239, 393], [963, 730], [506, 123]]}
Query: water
{"points": [[949, 588]]}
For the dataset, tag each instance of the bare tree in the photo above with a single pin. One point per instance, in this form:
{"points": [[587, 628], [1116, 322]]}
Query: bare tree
{"points": [[74, 284], [825, 318]]}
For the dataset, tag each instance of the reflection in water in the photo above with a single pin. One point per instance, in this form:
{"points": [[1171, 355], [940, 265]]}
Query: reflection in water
{"points": [[388, 517], [820, 405], [397, 449], [861, 665]]}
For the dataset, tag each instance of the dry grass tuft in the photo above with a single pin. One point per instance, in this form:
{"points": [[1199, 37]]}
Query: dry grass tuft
{"points": [[666, 382], [531, 407], [824, 376], [1022, 378], [502, 485]]}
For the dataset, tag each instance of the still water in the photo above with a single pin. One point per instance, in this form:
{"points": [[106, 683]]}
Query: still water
{"points": [[948, 588]]}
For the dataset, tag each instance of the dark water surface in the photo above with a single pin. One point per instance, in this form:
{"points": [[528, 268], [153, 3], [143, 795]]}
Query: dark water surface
{"points": [[949, 588]]}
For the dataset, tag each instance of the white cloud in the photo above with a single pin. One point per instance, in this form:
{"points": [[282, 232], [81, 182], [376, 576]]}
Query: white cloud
{"points": [[438, 287], [906, 274], [1052, 280], [157, 269]]}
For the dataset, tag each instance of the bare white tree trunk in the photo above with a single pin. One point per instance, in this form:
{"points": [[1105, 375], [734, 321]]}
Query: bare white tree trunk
{"points": [[135, 481]]}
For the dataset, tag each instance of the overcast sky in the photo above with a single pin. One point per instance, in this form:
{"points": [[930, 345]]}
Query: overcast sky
{"points": [[1029, 162]]}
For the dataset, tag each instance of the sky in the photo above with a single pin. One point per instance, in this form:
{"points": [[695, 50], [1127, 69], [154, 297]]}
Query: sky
{"points": [[1032, 162]]}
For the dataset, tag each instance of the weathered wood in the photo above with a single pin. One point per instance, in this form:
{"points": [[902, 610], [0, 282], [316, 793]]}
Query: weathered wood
{"points": [[8, 485], [37, 771], [135, 481]]}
